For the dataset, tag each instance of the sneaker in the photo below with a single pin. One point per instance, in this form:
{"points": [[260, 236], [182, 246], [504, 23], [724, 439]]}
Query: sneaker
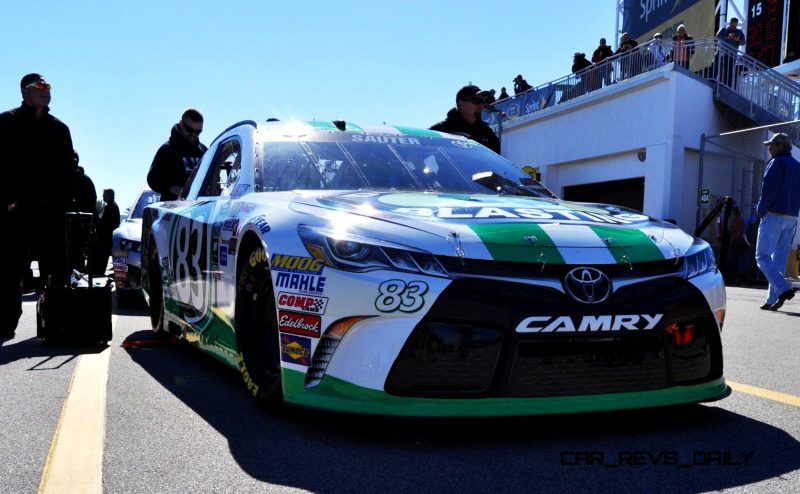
{"points": [[766, 307], [783, 297]]}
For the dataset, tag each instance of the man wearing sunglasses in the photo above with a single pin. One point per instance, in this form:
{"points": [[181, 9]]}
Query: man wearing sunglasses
{"points": [[177, 158], [465, 118], [37, 159]]}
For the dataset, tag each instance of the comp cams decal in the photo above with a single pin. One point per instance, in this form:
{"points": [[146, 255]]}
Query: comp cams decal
{"points": [[308, 304]]}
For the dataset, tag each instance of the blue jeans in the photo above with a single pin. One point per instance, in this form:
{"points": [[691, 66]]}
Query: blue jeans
{"points": [[775, 234]]}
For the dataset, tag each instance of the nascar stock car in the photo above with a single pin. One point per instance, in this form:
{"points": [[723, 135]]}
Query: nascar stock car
{"points": [[125, 245], [400, 271]]}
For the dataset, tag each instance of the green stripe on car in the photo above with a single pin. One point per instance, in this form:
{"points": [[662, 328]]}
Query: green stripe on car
{"points": [[518, 243], [628, 245]]}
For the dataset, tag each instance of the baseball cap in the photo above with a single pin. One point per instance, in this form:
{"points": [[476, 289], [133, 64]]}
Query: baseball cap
{"points": [[779, 138], [470, 91], [602, 40], [29, 78]]}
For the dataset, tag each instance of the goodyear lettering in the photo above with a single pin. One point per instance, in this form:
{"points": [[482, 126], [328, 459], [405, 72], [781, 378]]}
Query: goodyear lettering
{"points": [[296, 264], [251, 385], [262, 225], [301, 282], [569, 324], [258, 256], [560, 215], [385, 139]]}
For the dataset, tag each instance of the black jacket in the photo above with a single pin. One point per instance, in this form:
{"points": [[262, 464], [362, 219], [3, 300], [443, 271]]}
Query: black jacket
{"points": [[109, 220], [479, 131], [173, 163], [37, 161]]}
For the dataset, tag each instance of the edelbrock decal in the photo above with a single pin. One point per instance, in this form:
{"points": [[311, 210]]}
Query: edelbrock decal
{"points": [[580, 324]]}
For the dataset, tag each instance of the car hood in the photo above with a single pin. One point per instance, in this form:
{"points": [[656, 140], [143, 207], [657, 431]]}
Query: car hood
{"points": [[129, 230], [512, 228]]}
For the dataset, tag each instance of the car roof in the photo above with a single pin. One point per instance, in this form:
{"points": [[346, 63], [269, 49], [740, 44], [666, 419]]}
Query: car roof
{"points": [[294, 127]]}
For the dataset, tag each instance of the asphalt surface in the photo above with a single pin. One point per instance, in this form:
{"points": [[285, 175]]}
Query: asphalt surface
{"points": [[178, 421]]}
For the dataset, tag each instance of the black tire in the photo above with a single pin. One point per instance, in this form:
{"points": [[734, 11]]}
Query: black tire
{"points": [[257, 330], [156, 292]]}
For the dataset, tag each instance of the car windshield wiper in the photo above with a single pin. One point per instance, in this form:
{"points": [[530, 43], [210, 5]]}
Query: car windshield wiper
{"points": [[504, 186]]}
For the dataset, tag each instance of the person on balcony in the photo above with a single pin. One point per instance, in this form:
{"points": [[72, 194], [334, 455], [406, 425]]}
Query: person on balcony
{"points": [[585, 80], [658, 52], [503, 94], [627, 66], [602, 52], [733, 37], [682, 48], [520, 84]]}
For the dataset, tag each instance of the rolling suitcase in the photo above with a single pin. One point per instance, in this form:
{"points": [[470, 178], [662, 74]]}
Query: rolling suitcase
{"points": [[78, 310]]}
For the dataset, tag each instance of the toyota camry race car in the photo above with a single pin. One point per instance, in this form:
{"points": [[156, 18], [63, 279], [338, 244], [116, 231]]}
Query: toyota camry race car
{"points": [[400, 271], [125, 244]]}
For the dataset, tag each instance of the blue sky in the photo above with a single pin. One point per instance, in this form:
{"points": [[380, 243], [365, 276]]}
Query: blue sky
{"points": [[123, 72]]}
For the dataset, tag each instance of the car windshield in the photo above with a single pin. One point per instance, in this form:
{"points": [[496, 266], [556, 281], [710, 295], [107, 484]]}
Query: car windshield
{"points": [[359, 161], [145, 199]]}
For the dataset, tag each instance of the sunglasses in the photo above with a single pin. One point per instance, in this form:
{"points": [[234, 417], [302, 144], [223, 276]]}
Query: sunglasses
{"points": [[477, 101], [190, 130], [40, 85]]}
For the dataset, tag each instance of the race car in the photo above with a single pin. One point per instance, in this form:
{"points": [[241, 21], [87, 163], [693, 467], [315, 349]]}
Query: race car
{"points": [[125, 242], [400, 271]]}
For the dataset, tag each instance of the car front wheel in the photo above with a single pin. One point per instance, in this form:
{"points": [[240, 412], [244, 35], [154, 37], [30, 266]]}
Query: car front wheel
{"points": [[257, 329]]}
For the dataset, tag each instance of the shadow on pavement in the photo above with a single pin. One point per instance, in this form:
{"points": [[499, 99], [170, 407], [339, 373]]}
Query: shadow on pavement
{"points": [[689, 448], [43, 355]]}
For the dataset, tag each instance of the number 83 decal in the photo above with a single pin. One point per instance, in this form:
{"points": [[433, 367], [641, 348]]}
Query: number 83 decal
{"points": [[398, 295]]}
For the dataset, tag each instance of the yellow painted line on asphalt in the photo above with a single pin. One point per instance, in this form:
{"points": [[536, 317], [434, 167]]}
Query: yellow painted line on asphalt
{"points": [[74, 463], [765, 393]]}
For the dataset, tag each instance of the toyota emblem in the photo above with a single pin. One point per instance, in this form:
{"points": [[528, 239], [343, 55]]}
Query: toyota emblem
{"points": [[588, 285]]}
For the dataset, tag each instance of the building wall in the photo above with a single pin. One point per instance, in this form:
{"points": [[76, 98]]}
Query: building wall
{"points": [[598, 138]]}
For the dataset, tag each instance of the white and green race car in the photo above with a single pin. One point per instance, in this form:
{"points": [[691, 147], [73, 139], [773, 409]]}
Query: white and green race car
{"points": [[402, 271]]}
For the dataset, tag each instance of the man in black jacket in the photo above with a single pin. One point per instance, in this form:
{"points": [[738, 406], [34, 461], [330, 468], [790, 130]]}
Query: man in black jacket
{"points": [[465, 118], [176, 159], [37, 159]]}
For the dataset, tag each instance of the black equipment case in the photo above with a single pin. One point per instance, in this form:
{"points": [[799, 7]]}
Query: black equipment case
{"points": [[75, 311]]}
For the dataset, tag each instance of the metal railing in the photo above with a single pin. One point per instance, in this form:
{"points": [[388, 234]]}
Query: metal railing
{"points": [[717, 62]]}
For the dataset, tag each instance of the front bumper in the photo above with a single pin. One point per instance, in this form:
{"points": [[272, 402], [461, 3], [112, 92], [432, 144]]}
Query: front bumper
{"points": [[467, 357]]}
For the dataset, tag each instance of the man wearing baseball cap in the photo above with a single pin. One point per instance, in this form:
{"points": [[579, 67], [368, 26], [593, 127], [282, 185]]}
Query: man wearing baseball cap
{"points": [[465, 118], [778, 208]]}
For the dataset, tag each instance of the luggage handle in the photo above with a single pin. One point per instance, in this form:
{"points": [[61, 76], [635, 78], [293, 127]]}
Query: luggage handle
{"points": [[71, 219]]}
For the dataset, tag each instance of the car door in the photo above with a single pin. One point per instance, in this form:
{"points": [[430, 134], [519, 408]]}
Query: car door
{"points": [[194, 240]]}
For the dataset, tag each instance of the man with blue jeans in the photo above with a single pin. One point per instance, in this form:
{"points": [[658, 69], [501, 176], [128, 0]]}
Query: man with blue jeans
{"points": [[778, 208]]}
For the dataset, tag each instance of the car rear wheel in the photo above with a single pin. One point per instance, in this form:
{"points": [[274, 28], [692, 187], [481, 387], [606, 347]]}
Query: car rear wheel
{"points": [[257, 329], [156, 291]]}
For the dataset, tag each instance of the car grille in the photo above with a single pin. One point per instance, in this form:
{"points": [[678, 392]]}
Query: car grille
{"points": [[467, 345]]}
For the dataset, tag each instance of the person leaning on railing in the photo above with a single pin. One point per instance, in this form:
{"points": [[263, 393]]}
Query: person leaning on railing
{"points": [[626, 46], [683, 48]]}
